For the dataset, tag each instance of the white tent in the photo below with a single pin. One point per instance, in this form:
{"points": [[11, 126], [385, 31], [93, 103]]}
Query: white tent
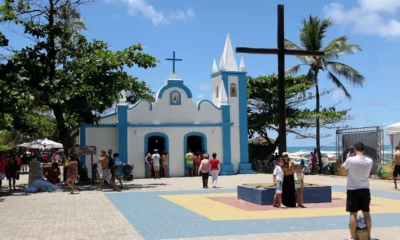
{"points": [[394, 132], [44, 143]]}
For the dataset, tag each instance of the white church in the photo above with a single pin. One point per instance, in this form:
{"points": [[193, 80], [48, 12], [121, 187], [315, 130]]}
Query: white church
{"points": [[175, 123]]}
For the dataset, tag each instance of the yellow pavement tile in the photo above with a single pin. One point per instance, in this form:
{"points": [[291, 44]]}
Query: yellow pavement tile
{"points": [[216, 211]]}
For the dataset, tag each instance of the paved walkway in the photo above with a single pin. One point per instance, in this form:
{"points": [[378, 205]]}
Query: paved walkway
{"points": [[152, 209]]}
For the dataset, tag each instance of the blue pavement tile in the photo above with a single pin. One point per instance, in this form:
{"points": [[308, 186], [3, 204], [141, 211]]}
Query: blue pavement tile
{"points": [[157, 218]]}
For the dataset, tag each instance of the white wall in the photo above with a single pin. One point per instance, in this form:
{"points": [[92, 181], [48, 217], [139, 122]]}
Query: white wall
{"points": [[103, 139], [395, 141], [235, 147], [234, 101], [235, 133], [111, 119], [163, 112], [216, 82], [136, 144]]}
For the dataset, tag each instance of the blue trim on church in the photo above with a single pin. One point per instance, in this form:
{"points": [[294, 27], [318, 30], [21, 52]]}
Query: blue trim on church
{"points": [[108, 115], [140, 125], [139, 102], [185, 148], [245, 165], [122, 132], [227, 167], [174, 84], [208, 101], [102, 125], [171, 102], [82, 142], [146, 146]]}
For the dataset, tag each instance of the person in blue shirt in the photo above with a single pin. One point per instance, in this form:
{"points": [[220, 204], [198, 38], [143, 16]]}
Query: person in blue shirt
{"points": [[117, 168]]}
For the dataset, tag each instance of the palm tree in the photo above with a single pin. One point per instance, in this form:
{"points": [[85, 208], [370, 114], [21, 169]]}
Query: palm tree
{"points": [[312, 34]]}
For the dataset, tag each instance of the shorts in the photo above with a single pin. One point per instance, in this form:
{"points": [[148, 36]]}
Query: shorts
{"points": [[106, 174], [189, 165], [278, 186], [2, 176], [156, 167], [396, 171], [357, 200], [299, 190]]}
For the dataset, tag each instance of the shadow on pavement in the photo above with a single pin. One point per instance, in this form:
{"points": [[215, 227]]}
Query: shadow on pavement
{"points": [[5, 192]]}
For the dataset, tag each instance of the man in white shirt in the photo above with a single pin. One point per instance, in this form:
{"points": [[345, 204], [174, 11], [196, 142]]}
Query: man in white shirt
{"points": [[358, 194], [156, 163]]}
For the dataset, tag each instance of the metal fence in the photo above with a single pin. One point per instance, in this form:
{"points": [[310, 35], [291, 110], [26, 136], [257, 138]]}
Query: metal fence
{"points": [[372, 137]]}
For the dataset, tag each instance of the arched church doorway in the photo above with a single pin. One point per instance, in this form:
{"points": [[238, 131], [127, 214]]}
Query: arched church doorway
{"points": [[196, 142], [157, 141]]}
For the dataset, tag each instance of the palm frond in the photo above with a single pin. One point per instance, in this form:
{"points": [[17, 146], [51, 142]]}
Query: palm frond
{"points": [[322, 28], [340, 46], [350, 74], [311, 75], [338, 84], [291, 45], [293, 70], [313, 32]]}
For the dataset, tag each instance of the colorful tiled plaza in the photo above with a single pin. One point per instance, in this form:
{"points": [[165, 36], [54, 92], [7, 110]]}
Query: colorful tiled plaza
{"points": [[177, 208]]}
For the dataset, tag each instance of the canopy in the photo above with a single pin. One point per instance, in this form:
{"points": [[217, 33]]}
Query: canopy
{"points": [[394, 132], [393, 129], [23, 145], [44, 143]]}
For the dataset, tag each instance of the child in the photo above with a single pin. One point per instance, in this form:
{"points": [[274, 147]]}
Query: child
{"points": [[278, 180], [299, 185]]}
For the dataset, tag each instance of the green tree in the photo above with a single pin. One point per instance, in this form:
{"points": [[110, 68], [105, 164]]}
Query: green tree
{"points": [[27, 127], [263, 108], [61, 70], [312, 35]]}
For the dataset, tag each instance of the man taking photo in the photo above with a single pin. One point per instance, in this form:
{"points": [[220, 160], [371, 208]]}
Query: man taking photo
{"points": [[358, 194]]}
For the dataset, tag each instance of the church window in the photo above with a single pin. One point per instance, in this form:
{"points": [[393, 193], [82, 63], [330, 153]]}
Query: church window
{"points": [[233, 90], [175, 98], [216, 92]]}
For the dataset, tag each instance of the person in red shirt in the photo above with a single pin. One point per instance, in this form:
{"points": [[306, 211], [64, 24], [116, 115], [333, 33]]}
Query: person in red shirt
{"points": [[3, 164], [197, 161], [214, 169], [314, 161], [44, 158]]}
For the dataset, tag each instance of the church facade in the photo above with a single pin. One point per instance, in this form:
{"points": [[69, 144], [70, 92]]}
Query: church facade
{"points": [[175, 123]]}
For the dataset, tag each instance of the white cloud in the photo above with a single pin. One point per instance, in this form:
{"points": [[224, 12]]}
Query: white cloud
{"points": [[200, 96], [204, 86], [387, 69], [368, 17], [156, 16]]}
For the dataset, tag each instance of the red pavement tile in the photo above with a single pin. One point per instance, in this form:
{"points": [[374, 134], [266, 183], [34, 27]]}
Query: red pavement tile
{"points": [[247, 206]]}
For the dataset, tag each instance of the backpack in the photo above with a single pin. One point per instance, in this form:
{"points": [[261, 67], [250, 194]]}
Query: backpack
{"points": [[111, 162]]}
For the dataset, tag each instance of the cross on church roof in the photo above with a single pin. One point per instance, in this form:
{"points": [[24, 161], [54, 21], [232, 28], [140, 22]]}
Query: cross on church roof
{"points": [[173, 59]]}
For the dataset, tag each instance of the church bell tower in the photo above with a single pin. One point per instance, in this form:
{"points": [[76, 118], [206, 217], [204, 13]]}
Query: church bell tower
{"points": [[229, 92]]}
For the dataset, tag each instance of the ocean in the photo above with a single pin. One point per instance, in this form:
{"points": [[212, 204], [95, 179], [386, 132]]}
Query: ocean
{"points": [[331, 151]]}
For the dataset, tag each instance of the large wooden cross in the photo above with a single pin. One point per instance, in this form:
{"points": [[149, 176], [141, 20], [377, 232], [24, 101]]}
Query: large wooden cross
{"points": [[281, 52]]}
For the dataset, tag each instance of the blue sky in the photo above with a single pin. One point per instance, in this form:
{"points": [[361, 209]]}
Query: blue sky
{"points": [[196, 30]]}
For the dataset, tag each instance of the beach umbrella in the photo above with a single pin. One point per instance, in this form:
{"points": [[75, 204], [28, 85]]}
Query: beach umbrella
{"points": [[44, 143], [23, 145]]}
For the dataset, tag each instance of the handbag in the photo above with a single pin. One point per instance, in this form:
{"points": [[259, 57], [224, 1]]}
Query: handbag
{"points": [[17, 176]]}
